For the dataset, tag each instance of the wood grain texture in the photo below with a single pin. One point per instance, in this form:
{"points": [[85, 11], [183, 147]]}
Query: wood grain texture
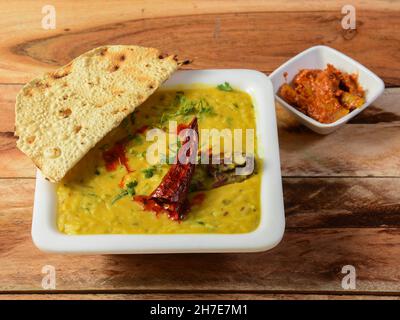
{"points": [[354, 150], [309, 203], [249, 34], [309, 258], [193, 296], [342, 202], [368, 146], [306, 261], [341, 191]]}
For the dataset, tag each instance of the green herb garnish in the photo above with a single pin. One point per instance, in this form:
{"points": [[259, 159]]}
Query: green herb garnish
{"points": [[179, 98], [119, 196], [129, 190], [164, 118], [187, 107], [138, 139], [205, 107], [130, 187], [149, 172], [225, 87]]}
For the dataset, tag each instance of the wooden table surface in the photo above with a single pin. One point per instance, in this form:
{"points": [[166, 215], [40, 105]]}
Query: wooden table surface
{"points": [[341, 191]]}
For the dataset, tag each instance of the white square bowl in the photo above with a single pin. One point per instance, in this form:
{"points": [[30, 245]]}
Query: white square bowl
{"points": [[272, 223], [317, 58]]}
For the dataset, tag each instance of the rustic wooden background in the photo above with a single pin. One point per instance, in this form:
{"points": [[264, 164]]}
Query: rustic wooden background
{"points": [[341, 191]]}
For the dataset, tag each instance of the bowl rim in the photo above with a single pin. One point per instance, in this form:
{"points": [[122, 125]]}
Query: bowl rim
{"points": [[268, 234], [343, 56]]}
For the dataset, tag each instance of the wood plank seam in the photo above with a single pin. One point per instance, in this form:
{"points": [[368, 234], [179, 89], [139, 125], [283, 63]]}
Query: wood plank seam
{"points": [[140, 28]]}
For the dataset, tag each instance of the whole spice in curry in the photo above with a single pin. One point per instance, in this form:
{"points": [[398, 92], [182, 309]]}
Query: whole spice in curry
{"points": [[115, 190], [324, 95], [171, 194]]}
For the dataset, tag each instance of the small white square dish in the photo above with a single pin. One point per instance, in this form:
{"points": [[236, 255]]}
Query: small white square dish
{"points": [[269, 232], [317, 58]]}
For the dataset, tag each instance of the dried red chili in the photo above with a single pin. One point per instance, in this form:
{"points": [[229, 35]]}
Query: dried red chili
{"points": [[181, 127], [171, 194], [142, 129], [115, 156], [198, 199]]}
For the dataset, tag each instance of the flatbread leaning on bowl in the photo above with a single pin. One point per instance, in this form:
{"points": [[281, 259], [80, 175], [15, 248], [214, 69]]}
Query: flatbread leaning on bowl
{"points": [[61, 115]]}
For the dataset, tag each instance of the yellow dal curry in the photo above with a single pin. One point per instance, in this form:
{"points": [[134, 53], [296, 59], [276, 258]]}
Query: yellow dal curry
{"points": [[91, 199]]}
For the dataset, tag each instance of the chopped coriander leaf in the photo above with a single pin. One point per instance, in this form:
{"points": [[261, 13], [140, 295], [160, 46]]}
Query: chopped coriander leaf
{"points": [[130, 190], [132, 151], [97, 172], [164, 118], [225, 87], [187, 108], [138, 139], [236, 105], [119, 196], [180, 99], [205, 108], [130, 187], [149, 172]]}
